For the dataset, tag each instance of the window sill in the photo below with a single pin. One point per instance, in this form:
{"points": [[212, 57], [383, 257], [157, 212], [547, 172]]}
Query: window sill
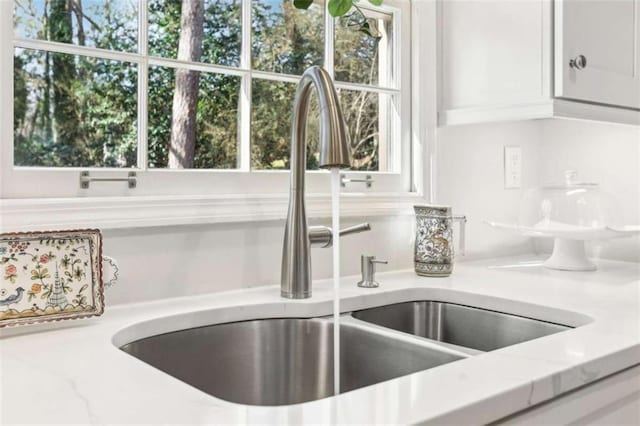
{"points": [[139, 212]]}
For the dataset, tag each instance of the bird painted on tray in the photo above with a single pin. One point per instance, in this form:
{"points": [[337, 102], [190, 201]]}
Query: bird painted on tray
{"points": [[14, 298]]}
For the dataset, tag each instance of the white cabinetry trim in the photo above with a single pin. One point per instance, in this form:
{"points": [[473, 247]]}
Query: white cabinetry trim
{"points": [[559, 108], [127, 212], [586, 111], [498, 112]]}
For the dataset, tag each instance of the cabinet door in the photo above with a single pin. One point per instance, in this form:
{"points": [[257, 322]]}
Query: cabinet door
{"points": [[606, 34]]}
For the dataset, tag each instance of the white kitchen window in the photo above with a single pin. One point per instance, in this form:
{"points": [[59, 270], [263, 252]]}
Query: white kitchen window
{"points": [[195, 99]]}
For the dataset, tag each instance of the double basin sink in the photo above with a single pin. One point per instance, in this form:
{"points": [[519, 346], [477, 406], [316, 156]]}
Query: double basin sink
{"points": [[286, 361]]}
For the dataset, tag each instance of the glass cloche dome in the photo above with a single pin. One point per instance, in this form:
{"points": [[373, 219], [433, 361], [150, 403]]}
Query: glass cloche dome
{"points": [[568, 205], [570, 212]]}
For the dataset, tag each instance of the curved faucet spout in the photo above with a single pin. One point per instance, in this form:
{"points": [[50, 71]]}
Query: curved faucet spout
{"points": [[334, 138], [334, 152]]}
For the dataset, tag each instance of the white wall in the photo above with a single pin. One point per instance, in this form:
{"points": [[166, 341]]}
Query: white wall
{"points": [[608, 154], [185, 260], [470, 178]]}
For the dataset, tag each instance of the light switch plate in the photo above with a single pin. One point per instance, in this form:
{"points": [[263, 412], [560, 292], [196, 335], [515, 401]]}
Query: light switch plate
{"points": [[512, 167]]}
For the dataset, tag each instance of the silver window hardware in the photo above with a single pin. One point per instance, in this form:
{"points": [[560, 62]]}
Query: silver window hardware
{"points": [[368, 180], [368, 267], [86, 179], [322, 236], [579, 62]]}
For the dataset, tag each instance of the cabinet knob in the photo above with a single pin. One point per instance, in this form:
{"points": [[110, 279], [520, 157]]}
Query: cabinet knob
{"points": [[579, 62]]}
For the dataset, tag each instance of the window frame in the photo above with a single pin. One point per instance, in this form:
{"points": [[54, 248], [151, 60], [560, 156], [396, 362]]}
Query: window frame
{"points": [[243, 190]]}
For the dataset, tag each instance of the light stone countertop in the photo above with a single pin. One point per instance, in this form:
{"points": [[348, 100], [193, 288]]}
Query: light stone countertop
{"points": [[73, 373]]}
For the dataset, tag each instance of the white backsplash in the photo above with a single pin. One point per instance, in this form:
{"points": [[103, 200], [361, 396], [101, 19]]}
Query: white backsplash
{"points": [[470, 178], [184, 260], [608, 154], [175, 261]]}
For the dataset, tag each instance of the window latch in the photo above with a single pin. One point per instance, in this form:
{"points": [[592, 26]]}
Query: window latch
{"points": [[86, 179], [368, 180]]}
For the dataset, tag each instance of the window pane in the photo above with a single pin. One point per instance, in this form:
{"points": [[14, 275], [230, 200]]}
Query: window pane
{"points": [[73, 111], [193, 119], [285, 39], [271, 126], [362, 58], [367, 117], [207, 30], [106, 24]]}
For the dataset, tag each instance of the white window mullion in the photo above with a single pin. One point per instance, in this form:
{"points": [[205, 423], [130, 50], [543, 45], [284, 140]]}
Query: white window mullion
{"points": [[19, 182], [71, 49], [143, 85], [6, 97], [365, 88], [285, 78], [385, 120], [195, 66], [244, 121], [329, 30]]}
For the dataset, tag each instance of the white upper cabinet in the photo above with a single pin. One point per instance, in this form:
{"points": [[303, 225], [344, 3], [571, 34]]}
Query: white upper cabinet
{"points": [[597, 51], [527, 59]]}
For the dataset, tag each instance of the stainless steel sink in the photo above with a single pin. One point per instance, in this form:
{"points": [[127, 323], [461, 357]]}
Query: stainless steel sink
{"points": [[460, 325], [281, 361]]}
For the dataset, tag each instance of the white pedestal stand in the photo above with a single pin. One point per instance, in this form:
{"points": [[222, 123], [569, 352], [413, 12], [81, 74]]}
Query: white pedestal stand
{"points": [[569, 255]]}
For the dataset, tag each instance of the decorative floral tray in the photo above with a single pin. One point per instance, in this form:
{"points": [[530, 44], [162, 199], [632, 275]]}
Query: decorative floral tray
{"points": [[50, 276]]}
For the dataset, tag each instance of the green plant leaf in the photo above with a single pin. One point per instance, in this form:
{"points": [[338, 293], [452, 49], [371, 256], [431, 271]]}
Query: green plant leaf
{"points": [[339, 7], [366, 29], [302, 4], [376, 2]]}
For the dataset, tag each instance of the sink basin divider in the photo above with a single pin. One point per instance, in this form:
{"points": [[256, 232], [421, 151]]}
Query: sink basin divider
{"points": [[425, 342]]}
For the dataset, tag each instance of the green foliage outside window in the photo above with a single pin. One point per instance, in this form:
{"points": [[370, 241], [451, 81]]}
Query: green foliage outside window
{"points": [[72, 110]]}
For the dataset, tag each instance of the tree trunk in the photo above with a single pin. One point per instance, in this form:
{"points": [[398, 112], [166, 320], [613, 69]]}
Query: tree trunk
{"points": [[65, 112], [185, 97], [77, 9]]}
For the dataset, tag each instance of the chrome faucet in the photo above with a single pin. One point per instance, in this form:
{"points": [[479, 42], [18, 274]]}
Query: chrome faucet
{"points": [[334, 152]]}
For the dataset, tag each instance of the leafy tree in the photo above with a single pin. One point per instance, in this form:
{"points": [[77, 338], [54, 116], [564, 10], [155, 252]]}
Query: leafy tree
{"points": [[19, 93], [77, 111], [216, 114], [82, 111]]}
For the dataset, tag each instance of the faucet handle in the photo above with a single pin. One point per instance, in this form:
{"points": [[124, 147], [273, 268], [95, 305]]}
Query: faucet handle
{"points": [[322, 236], [355, 229], [368, 266]]}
